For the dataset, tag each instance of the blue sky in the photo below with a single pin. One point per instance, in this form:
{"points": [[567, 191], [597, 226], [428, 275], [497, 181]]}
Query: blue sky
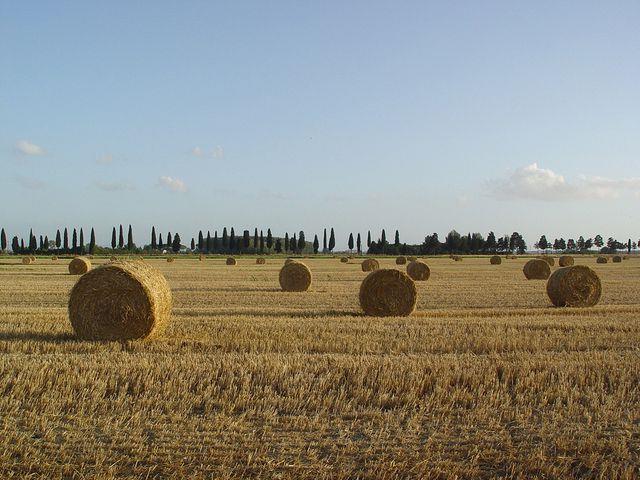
{"points": [[421, 116]]}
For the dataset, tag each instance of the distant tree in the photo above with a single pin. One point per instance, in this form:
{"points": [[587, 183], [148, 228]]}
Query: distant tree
{"points": [[208, 246], [113, 239], [543, 244], [490, 244], [324, 242], [598, 241], [216, 242], [301, 241], [286, 242], [316, 244], [629, 246], [65, 242], [175, 245], [293, 243], [256, 240], [383, 239], [74, 241], [359, 244], [160, 244], [452, 241], [571, 244], [41, 243], [92, 242], [121, 238], [269, 239], [562, 245], [261, 242], [58, 240], [193, 244], [169, 242], [588, 243], [580, 243], [201, 241], [82, 251], [154, 241], [15, 245], [225, 239], [278, 246], [514, 241], [22, 249], [246, 239], [350, 241], [332, 240], [232, 240], [46, 242], [397, 239], [130, 244]]}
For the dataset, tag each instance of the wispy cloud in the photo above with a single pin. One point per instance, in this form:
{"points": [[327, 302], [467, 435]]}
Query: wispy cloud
{"points": [[106, 159], [31, 183], [534, 183], [27, 148], [173, 184], [114, 186], [214, 154]]}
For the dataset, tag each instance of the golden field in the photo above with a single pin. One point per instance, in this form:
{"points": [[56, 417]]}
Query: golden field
{"points": [[484, 380]]}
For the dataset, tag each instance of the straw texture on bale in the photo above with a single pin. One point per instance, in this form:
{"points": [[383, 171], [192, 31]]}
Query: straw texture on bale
{"points": [[370, 264], [565, 261], [457, 258], [602, 260], [288, 261], [617, 259], [26, 260], [295, 277], [418, 270], [169, 259], [388, 292], [120, 301], [495, 260], [231, 261], [113, 259], [344, 260], [577, 286], [79, 266], [536, 269], [33, 258], [201, 257], [401, 260], [260, 261], [548, 259], [411, 259]]}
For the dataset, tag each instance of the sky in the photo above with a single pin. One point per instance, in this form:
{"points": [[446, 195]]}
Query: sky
{"points": [[299, 115]]}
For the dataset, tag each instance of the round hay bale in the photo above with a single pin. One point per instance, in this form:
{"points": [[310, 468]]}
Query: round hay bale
{"points": [[370, 264], [536, 269], [201, 257], [565, 261], [120, 301], [260, 261], [411, 259], [495, 260], [295, 277], [401, 260], [548, 259], [231, 261], [388, 292], [577, 286], [33, 258], [26, 260], [289, 260], [54, 259], [602, 260], [617, 259], [418, 270], [344, 260], [79, 266], [170, 259], [456, 258]]}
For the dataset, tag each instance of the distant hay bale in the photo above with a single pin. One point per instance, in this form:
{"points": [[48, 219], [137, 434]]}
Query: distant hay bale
{"points": [[495, 260], [344, 260], [565, 261], [602, 260], [33, 258], [231, 261], [616, 259], [260, 261], [27, 261], [457, 258], [289, 260], [133, 301], [536, 269], [418, 270], [295, 277], [387, 293], [170, 259], [577, 286], [201, 257], [370, 264], [79, 266], [411, 259], [54, 259], [401, 260]]}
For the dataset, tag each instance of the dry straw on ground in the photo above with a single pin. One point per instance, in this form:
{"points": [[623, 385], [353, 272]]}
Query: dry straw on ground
{"points": [[565, 261], [418, 270], [295, 277], [26, 260], [370, 264], [401, 260], [231, 261], [495, 260], [134, 302], [344, 260], [260, 261], [616, 259], [79, 266], [387, 293], [577, 286], [536, 269], [602, 260]]}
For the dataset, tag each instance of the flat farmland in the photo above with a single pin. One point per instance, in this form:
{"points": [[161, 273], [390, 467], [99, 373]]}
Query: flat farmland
{"points": [[484, 380]]}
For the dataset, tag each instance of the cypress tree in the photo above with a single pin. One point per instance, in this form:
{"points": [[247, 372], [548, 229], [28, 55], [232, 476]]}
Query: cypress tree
{"points": [[293, 243], [269, 239], [65, 243], [15, 245], [359, 244], [92, 242], [130, 239], [169, 240], [225, 238], [121, 238], [74, 241], [113, 238], [261, 242], [41, 244], [216, 241], [193, 244], [278, 245], [46, 242], [81, 241], [22, 249], [176, 244], [208, 246], [332, 240], [3, 240], [255, 239], [383, 239], [160, 244], [286, 242], [324, 241], [154, 242], [316, 244], [397, 239], [350, 242], [301, 241], [232, 240], [58, 240], [201, 241], [246, 239], [368, 238]]}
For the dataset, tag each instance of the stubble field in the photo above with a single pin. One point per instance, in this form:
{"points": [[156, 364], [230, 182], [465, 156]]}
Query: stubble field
{"points": [[485, 380]]}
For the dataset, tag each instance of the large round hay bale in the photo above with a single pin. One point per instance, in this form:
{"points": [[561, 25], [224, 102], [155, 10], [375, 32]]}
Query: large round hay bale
{"points": [[295, 277], [370, 264], [616, 259], [79, 266], [537, 269], [344, 260], [495, 260], [548, 259], [388, 292], [231, 261], [565, 261], [170, 259], [418, 270], [260, 261], [601, 260], [289, 260], [401, 260], [120, 301], [577, 286], [26, 260]]}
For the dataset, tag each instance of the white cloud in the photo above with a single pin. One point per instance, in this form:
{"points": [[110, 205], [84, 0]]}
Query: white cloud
{"points": [[114, 186], [27, 148], [534, 183], [216, 153], [31, 183], [173, 184], [106, 159]]}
